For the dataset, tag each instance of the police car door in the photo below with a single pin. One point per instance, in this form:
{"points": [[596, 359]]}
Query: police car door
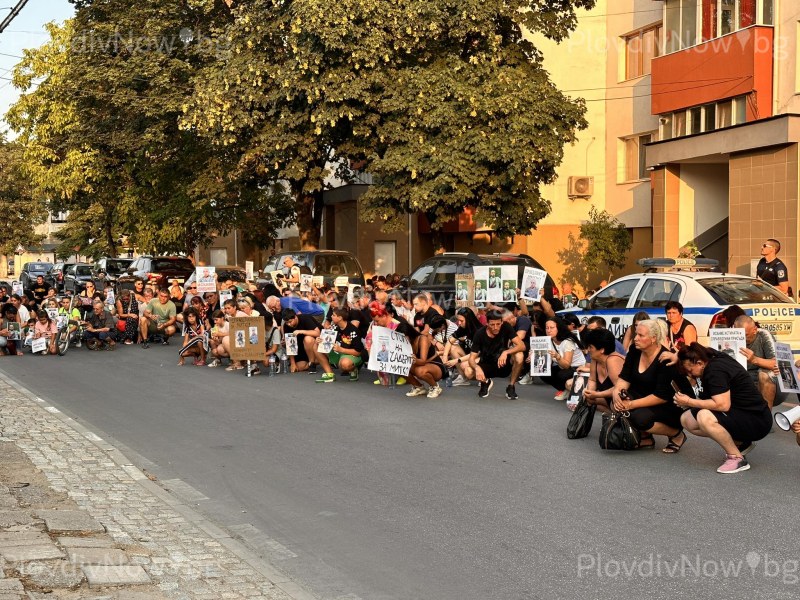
{"points": [[612, 303], [654, 294]]}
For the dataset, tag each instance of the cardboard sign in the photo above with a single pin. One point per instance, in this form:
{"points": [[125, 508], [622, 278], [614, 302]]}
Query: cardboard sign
{"points": [[390, 353], [495, 283], [39, 345], [729, 341], [465, 290], [541, 361], [247, 338], [533, 284], [205, 279], [787, 379]]}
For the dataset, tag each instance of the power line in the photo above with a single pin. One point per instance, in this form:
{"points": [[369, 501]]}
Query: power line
{"points": [[13, 14]]}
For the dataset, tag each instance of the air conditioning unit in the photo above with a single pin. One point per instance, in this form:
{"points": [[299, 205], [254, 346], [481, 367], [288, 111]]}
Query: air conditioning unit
{"points": [[580, 187]]}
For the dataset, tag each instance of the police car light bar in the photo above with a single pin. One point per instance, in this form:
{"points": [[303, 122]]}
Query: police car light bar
{"points": [[695, 264]]}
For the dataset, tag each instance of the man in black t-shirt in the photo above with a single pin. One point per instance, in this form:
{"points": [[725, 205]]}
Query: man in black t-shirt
{"points": [[496, 352], [771, 268], [522, 328], [40, 289], [346, 353], [306, 328]]}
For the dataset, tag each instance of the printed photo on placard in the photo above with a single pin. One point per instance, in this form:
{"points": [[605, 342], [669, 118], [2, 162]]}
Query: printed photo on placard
{"points": [[509, 290], [206, 279], [253, 334], [730, 342], [225, 295], [305, 282], [16, 288], [533, 284], [465, 290], [52, 313], [239, 340], [787, 373], [390, 353], [327, 340], [278, 279], [291, 344], [541, 361], [481, 283], [14, 331], [248, 269]]}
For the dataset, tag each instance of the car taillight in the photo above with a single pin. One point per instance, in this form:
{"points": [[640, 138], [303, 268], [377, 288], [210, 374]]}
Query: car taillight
{"points": [[718, 320]]}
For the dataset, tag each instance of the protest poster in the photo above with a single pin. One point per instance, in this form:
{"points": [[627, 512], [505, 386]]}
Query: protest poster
{"points": [[729, 341], [16, 288], [317, 280], [247, 337], [225, 295], [787, 379], [497, 283], [110, 298], [390, 353], [541, 361], [248, 270], [290, 341], [327, 340], [305, 282], [39, 345], [533, 284], [14, 331], [61, 321], [342, 281], [205, 279], [52, 313], [354, 292], [465, 290], [278, 279]]}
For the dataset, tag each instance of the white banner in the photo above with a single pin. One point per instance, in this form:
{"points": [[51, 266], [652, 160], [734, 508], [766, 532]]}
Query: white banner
{"points": [[729, 341], [533, 284], [391, 352], [206, 282], [787, 378], [541, 361]]}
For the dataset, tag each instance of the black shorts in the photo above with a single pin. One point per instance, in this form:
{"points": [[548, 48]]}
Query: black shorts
{"points": [[491, 370], [743, 425]]}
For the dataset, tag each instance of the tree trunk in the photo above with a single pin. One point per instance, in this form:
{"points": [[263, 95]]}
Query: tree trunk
{"points": [[309, 219], [112, 243]]}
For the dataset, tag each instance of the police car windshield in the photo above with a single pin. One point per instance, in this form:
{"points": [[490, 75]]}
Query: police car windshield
{"points": [[729, 290]]}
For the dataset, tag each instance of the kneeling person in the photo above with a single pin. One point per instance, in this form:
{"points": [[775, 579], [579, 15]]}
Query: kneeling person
{"points": [[346, 353], [496, 352]]}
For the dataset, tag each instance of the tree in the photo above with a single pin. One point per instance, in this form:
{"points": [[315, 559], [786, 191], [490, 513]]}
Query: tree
{"points": [[607, 243], [447, 104], [20, 210], [102, 134]]}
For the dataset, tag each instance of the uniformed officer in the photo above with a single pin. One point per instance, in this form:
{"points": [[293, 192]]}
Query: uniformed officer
{"points": [[771, 268]]}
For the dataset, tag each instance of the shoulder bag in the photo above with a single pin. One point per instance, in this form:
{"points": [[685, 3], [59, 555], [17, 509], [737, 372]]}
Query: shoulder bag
{"points": [[617, 433]]}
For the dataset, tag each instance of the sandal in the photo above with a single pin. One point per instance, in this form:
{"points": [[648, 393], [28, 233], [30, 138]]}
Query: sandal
{"points": [[643, 446], [234, 367], [672, 447]]}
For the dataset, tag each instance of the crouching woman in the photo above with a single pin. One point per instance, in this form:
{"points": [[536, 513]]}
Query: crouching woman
{"points": [[729, 409]]}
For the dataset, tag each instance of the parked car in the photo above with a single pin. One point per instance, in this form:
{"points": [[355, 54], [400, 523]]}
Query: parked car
{"points": [[107, 269], [330, 264], [30, 271], [704, 295], [157, 270], [76, 277], [437, 275], [55, 276]]}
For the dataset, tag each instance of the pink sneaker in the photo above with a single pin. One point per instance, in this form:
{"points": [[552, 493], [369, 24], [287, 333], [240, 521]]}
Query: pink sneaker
{"points": [[733, 464]]}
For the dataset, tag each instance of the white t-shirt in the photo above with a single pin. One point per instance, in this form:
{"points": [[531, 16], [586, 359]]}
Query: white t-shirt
{"points": [[578, 359]]}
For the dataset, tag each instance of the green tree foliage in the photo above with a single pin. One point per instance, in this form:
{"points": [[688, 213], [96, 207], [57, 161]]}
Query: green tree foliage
{"points": [[20, 210], [607, 243], [102, 134], [445, 102]]}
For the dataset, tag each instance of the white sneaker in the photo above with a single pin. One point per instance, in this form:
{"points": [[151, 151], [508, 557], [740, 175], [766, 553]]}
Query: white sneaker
{"points": [[561, 395], [435, 392], [526, 380], [460, 380], [417, 391]]}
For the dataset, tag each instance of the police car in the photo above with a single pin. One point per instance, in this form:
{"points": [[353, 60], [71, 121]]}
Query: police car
{"points": [[703, 293]]}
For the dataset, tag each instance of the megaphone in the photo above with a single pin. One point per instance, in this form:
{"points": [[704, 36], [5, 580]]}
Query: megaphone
{"points": [[784, 420]]}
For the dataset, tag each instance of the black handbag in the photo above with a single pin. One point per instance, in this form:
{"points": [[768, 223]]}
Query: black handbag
{"points": [[617, 432], [580, 423]]}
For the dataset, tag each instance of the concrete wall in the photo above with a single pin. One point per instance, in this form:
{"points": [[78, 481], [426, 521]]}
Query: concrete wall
{"points": [[703, 199]]}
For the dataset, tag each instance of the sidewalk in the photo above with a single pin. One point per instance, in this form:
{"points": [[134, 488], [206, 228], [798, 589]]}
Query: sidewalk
{"points": [[78, 520]]}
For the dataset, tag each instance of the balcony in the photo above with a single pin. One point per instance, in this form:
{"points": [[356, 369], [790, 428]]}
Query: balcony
{"points": [[740, 63]]}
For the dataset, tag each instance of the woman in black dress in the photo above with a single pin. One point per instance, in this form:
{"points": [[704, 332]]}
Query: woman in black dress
{"points": [[647, 380], [728, 407]]}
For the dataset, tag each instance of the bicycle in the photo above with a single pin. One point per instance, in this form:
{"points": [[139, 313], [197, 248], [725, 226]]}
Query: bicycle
{"points": [[65, 333]]}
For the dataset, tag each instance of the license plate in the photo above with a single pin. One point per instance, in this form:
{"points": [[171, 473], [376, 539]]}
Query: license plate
{"points": [[778, 327]]}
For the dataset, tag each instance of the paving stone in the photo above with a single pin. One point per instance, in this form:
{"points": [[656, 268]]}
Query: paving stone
{"points": [[9, 518], [75, 521], [11, 585], [86, 542], [103, 575], [97, 556], [27, 545], [52, 574]]}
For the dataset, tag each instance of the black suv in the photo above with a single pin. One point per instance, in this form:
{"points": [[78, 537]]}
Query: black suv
{"points": [[437, 275], [107, 269], [331, 264], [30, 271], [157, 270], [55, 276]]}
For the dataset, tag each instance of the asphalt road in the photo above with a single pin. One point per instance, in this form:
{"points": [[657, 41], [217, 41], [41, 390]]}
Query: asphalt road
{"points": [[356, 491]]}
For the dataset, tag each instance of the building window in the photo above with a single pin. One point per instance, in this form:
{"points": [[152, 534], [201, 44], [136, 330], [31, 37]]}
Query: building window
{"points": [[635, 166], [700, 119], [641, 48], [689, 22]]}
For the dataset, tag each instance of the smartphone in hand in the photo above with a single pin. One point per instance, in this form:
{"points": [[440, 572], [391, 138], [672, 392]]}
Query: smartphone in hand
{"points": [[675, 387]]}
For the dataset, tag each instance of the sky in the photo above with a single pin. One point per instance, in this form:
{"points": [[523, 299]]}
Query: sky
{"points": [[26, 31]]}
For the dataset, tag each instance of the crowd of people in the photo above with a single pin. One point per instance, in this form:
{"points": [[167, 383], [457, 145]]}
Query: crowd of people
{"points": [[658, 374]]}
